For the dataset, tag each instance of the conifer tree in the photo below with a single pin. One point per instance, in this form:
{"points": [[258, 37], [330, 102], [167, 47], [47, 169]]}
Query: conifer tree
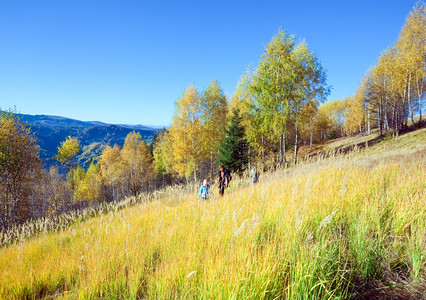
{"points": [[233, 150]]}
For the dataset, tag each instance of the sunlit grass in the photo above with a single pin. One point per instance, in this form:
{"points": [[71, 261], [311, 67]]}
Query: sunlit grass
{"points": [[337, 228]]}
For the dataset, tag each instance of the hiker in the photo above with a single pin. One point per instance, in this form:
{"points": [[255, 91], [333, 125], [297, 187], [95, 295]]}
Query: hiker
{"points": [[253, 172], [204, 191], [224, 179]]}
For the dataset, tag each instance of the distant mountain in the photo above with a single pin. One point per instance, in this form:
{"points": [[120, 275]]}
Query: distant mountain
{"points": [[140, 127], [56, 121], [94, 136]]}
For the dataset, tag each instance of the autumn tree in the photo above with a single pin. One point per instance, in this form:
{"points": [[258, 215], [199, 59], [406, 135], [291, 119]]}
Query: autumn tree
{"points": [[137, 163], [331, 119], [213, 119], [307, 117], [78, 182], [163, 153], [88, 184], [20, 167], [380, 94], [387, 92], [356, 111], [242, 98], [411, 47], [323, 122], [56, 192], [111, 170], [310, 87], [288, 78], [272, 85], [186, 133], [68, 150], [395, 86]]}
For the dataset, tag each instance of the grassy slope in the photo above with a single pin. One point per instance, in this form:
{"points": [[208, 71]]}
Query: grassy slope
{"points": [[345, 227]]}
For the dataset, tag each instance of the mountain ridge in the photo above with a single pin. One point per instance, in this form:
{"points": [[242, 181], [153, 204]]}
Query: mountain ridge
{"points": [[53, 120], [93, 136]]}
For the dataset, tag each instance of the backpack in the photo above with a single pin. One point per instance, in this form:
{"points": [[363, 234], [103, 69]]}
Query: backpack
{"points": [[228, 175]]}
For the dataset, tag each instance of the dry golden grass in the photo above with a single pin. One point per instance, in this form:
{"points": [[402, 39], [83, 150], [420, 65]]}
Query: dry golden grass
{"points": [[346, 227]]}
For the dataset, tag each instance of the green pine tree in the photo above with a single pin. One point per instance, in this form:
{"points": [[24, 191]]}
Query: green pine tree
{"points": [[233, 150]]}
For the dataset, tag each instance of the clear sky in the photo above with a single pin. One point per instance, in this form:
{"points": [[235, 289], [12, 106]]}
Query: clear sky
{"points": [[129, 61]]}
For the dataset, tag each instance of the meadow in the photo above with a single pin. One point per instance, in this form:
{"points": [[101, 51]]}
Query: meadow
{"points": [[345, 227]]}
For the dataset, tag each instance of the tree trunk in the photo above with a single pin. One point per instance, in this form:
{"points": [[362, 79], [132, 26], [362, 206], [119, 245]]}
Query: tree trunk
{"points": [[397, 124], [368, 123], [284, 140], [113, 191], [2, 210], [311, 133], [295, 144], [419, 97], [249, 165], [386, 109], [410, 106], [381, 120], [410, 112]]}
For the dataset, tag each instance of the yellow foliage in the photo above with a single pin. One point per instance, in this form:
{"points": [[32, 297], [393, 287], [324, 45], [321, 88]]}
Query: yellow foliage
{"points": [[163, 154], [127, 170], [355, 115], [213, 118], [87, 184], [68, 149], [136, 162], [187, 132], [110, 164], [20, 167]]}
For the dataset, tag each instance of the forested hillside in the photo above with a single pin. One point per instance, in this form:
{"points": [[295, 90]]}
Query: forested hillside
{"points": [[94, 136]]}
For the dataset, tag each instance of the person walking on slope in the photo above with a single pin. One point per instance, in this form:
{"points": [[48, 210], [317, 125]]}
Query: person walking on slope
{"points": [[224, 179], [204, 191], [255, 175]]}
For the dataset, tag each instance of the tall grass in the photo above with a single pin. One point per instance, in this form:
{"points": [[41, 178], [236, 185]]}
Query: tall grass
{"points": [[337, 229]]}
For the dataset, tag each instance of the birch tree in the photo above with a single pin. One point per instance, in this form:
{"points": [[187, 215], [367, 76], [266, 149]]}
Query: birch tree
{"points": [[186, 133], [137, 163], [288, 77], [214, 108], [411, 45], [272, 87]]}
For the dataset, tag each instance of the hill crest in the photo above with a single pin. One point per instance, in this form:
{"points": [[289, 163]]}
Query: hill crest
{"points": [[50, 131]]}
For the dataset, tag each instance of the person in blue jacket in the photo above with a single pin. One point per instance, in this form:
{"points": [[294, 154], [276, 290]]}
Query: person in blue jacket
{"points": [[255, 175], [204, 191]]}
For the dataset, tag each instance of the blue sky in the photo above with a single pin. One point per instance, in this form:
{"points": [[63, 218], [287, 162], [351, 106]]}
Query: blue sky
{"points": [[129, 61]]}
